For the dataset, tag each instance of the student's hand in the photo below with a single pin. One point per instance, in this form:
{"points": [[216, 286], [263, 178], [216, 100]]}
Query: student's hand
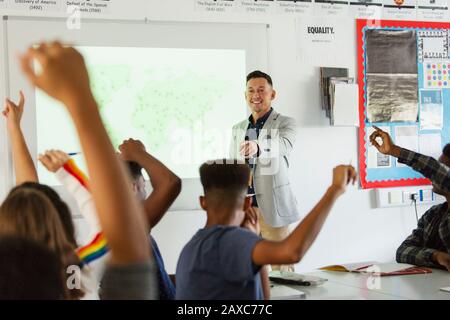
{"points": [[251, 221], [13, 112], [443, 259], [342, 176], [63, 74], [248, 149], [53, 160], [387, 147], [132, 150]]}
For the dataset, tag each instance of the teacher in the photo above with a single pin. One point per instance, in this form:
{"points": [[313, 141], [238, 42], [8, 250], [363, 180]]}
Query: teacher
{"points": [[265, 140]]}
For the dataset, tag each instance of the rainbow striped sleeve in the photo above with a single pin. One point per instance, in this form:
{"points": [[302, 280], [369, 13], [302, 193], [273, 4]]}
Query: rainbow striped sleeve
{"points": [[94, 250], [73, 170]]}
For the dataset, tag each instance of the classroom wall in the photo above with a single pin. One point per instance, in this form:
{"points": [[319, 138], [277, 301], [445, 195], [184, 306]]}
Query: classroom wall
{"points": [[355, 230]]}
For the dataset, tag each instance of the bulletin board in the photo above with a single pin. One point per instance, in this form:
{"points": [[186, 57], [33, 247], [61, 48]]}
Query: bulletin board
{"points": [[404, 89]]}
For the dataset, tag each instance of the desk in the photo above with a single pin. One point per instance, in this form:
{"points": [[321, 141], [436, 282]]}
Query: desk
{"points": [[353, 286]]}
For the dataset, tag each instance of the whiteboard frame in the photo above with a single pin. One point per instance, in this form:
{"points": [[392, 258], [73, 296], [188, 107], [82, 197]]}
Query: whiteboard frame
{"points": [[19, 31]]}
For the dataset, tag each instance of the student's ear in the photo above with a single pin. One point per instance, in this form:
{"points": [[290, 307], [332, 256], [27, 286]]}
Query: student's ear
{"points": [[203, 202], [247, 203], [274, 94]]}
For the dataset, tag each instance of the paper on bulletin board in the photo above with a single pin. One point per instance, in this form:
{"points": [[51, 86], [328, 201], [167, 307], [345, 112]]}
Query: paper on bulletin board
{"points": [[430, 145], [431, 110], [375, 159], [391, 76], [436, 74], [432, 44], [406, 137]]}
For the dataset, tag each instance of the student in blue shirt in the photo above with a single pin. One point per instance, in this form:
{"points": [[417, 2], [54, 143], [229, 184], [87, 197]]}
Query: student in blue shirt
{"points": [[165, 188], [224, 259]]}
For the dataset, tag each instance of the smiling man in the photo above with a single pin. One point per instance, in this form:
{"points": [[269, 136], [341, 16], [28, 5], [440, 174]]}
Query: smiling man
{"points": [[265, 140]]}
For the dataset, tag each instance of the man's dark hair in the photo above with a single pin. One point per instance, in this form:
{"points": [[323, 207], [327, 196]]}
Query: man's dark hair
{"points": [[259, 74], [225, 178], [446, 150], [29, 271], [60, 206], [135, 170]]}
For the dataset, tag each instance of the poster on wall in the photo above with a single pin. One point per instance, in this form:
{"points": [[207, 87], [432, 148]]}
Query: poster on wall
{"points": [[318, 38], [296, 7], [391, 74], [432, 10], [331, 8], [366, 9], [395, 61], [219, 6], [94, 7], [399, 9], [257, 6], [35, 5]]}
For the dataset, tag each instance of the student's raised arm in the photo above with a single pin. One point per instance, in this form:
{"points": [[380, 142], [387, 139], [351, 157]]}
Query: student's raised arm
{"points": [[431, 168], [166, 184], [24, 168], [65, 78], [294, 247]]}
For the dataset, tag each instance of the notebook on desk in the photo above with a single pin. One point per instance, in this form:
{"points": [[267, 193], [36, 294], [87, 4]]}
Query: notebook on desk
{"points": [[379, 269]]}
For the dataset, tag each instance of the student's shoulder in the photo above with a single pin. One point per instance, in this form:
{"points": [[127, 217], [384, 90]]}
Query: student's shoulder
{"points": [[224, 232], [436, 210]]}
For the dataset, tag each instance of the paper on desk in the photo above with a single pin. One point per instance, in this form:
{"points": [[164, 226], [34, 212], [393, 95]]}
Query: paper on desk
{"points": [[430, 145], [407, 137], [387, 267], [349, 266], [376, 159]]}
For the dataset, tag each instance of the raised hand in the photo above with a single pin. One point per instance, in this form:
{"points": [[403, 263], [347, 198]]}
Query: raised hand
{"points": [[53, 160], [342, 176], [387, 146], [13, 112], [63, 76], [132, 150]]}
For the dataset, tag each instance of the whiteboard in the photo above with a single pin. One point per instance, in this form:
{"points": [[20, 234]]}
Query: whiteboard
{"points": [[20, 32]]}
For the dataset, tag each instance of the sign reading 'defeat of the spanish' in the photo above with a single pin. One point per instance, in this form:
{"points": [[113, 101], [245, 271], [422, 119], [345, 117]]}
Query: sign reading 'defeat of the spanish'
{"points": [[90, 6]]}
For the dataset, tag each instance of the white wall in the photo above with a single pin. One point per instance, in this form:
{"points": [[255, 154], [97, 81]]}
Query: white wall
{"points": [[354, 231]]}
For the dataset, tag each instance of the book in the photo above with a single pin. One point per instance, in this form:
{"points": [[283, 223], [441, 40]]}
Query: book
{"points": [[379, 269], [325, 75]]}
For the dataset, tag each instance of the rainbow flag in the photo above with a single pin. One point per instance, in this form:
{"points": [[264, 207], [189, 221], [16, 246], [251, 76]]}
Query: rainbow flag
{"points": [[72, 168], [94, 250]]}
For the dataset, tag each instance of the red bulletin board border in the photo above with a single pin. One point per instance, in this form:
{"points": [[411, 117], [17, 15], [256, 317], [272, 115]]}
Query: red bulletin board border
{"points": [[360, 25]]}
